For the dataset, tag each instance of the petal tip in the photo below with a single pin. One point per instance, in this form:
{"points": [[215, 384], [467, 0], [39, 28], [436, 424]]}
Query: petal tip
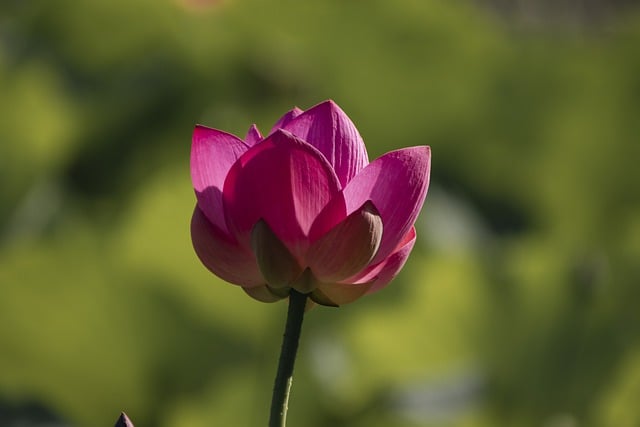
{"points": [[253, 135], [123, 421]]}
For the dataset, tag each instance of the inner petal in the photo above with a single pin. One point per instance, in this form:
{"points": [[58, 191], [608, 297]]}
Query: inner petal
{"points": [[283, 181]]}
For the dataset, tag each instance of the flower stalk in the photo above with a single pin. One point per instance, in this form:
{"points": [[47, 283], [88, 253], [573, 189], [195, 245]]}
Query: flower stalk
{"points": [[284, 375]]}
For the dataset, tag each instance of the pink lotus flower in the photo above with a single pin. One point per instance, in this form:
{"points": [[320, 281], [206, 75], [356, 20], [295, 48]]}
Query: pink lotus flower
{"points": [[303, 208]]}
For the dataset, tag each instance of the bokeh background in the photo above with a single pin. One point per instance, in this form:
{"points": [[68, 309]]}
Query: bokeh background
{"points": [[518, 307]]}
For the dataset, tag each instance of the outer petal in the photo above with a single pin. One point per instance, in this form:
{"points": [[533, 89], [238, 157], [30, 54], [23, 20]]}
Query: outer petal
{"points": [[223, 257], [347, 248], [282, 121], [337, 294], [264, 294], [278, 267], [379, 275], [253, 136], [212, 154], [284, 181], [397, 185], [330, 130]]}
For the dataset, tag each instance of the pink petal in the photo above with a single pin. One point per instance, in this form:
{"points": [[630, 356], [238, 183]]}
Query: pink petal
{"points": [[397, 185], [333, 214], [330, 130], [253, 136], [212, 154], [284, 181], [221, 255], [282, 121], [348, 247], [379, 275]]}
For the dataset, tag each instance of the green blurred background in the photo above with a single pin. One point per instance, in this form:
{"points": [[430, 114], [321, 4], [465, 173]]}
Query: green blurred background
{"points": [[518, 307]]}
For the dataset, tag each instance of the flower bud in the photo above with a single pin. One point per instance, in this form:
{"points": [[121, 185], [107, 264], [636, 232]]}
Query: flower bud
{"points": [[123, 421]]}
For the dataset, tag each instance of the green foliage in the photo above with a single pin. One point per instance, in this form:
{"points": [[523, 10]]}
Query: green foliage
{"points": [[518, 306]]}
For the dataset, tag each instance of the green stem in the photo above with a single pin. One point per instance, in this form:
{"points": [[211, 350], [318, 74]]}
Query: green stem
{"points": [[284, 377]]}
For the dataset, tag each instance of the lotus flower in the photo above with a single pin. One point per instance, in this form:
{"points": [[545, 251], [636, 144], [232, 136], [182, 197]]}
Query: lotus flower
{"points": [[303, 208]]}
